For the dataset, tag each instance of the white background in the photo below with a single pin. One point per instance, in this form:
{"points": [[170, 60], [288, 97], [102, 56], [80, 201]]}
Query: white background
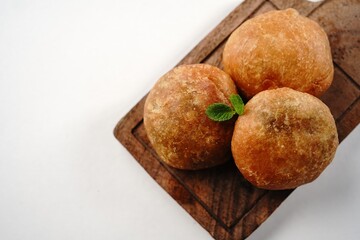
{"points": [[69, 70]]}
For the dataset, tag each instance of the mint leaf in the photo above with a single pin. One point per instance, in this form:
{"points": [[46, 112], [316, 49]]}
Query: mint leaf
{"points": [[222, 112], [219, 112], [237, 103]]}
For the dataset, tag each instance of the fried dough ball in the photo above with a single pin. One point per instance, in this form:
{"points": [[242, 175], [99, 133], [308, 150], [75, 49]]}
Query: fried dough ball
{"points": [[284, 139], [175, 120], [279, 49]]}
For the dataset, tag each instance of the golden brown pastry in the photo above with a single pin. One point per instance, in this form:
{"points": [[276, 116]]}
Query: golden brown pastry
{"points": [[284, 139], [279, 49], [175, 120]]}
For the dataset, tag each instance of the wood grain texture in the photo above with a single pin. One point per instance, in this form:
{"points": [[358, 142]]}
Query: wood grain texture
{"points": [[220, 199], [341, 21], [304, 7]]}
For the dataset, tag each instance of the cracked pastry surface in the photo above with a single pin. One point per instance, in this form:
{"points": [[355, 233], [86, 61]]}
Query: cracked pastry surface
{"points": [[284, 139], [279, 49], [175, 120]]}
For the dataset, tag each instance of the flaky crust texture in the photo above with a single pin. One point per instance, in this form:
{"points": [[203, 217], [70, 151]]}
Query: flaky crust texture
{"points": [[175, 120], [284, 139], [279, 49]]}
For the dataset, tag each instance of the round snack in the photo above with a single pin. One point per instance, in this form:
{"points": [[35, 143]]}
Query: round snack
{"points": [[279, 49], [175, 120], [284, 139]]}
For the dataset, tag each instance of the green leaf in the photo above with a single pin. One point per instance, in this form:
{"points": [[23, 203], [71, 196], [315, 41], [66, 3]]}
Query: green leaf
{"points": [[237, 103], [219, 112]]}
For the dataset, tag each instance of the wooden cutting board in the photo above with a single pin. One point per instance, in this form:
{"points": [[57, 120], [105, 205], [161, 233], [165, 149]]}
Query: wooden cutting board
{"points": [[220, 199]]}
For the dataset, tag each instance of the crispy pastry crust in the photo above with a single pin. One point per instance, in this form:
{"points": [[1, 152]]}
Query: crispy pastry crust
{"points": [[279, 49], [284, 139], [175, 120]]}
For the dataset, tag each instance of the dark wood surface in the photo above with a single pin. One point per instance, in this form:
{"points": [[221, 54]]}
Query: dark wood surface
{"points": [[220, 199]]}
